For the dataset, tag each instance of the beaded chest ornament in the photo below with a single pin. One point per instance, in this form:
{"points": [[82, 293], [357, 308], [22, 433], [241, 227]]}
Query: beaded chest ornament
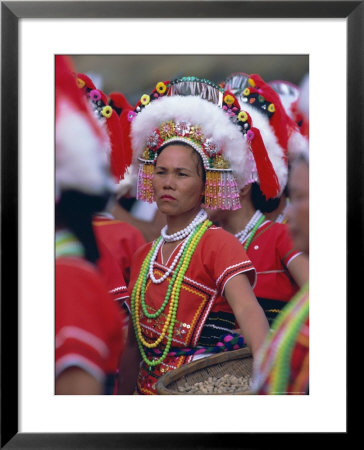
{"points": [[139, 306]]}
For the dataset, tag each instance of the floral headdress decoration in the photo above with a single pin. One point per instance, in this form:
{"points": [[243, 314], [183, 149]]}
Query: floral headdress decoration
{"points": [[104, 110], [201, 114], [254, 93]]}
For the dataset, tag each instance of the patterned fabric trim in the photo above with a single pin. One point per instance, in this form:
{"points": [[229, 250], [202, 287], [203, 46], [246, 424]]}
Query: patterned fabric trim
{"points": [[217, 324], [75, 360], [227, 342], [67, 245], [271, 308], [82, 336], [229, 272]]}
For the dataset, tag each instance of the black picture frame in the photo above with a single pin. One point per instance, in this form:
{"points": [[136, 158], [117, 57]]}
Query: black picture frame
{"points": [[11, 13]]}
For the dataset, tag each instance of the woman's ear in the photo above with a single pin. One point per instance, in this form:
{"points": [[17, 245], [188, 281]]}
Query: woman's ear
{"points": [[245, 190]]}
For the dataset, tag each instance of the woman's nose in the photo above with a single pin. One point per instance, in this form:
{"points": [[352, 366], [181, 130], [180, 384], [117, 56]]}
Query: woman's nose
{"points": [[169, 181]]}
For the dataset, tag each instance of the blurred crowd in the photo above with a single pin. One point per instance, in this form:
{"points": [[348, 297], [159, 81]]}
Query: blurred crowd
{"points": [[182, 230]]}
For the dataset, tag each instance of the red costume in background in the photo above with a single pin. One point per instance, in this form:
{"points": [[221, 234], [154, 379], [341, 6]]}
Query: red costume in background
{"points": [[121, 238], [88, 322], [271, 250]]}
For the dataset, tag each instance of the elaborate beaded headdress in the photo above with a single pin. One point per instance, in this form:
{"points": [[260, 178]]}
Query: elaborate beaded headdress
{"points": [[201, 114], [257, 96]]}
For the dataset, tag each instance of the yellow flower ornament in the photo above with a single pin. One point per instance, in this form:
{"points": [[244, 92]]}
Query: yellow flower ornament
{"points": [[106, 111], [80, 83], [145, 99], [161, 87], [229, 99], [242, 116]]}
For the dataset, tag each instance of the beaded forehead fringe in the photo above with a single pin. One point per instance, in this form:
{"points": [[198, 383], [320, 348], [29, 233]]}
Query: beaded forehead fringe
{"points": [[221, 189], [205, 89]]}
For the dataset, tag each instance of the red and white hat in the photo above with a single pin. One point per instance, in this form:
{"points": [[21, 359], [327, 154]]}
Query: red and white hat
{"points": [[258, 97], [106, 110], [81, 142], [292, 97], [288, 93]]}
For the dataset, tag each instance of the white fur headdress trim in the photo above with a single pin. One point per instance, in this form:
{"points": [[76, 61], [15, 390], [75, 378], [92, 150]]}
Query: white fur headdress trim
{"points": [[214, 122], [81, 156]]}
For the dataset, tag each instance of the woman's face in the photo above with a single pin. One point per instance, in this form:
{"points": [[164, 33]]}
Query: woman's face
{"points": [[177, 181], [298, 211]]}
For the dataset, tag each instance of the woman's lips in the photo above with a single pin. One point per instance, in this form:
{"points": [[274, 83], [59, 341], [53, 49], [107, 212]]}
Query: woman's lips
{"points": [[167, 197]]}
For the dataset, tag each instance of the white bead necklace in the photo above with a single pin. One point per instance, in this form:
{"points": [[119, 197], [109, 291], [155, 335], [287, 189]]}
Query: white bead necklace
{"points": [[182, 234], [282, 215], [243, 234]]}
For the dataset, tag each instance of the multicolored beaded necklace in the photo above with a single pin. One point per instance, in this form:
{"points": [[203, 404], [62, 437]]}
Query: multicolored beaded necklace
{"points": [[250, 229], [274, 358], [171, 298]]}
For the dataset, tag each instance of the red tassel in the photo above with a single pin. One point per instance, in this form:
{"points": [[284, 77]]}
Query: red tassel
{"points": [[125, 130], [268, 180], [117, 159], [119, 101]]}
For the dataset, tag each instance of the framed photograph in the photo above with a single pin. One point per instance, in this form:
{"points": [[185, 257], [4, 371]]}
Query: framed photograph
{"points": [[329, 34]]}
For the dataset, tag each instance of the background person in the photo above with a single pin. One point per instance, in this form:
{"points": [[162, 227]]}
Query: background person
{"points": [[88, 323], [282, 364]]}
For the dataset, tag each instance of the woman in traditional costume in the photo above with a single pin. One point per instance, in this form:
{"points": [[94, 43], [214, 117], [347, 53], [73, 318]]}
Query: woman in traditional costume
{"points": [[281, 268], [191, 285], [264, 102]]}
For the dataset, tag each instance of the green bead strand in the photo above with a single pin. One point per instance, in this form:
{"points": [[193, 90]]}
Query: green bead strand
{"points": [[252, 233], [188, 251]]}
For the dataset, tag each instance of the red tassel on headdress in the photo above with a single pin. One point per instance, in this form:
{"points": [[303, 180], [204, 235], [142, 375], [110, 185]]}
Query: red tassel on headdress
{"points": [[118, 161], [119, 102], [125, 130], [268, 180]]}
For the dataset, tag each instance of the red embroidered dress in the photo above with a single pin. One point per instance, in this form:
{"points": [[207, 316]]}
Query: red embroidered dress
{"points": [[203, 314], [271, 250]]}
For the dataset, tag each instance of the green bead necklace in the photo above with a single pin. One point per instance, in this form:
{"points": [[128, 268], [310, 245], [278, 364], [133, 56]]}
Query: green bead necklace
{"points": [[172, 295], [254, 230]]}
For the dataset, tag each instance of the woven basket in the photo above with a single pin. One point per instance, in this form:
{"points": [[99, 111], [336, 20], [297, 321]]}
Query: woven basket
{"points": [[235, 362]]}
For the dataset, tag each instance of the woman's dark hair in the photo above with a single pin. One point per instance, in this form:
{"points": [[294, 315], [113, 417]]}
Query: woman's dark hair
{"points": [[74, 211], [260, 202], [200, 167]]}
